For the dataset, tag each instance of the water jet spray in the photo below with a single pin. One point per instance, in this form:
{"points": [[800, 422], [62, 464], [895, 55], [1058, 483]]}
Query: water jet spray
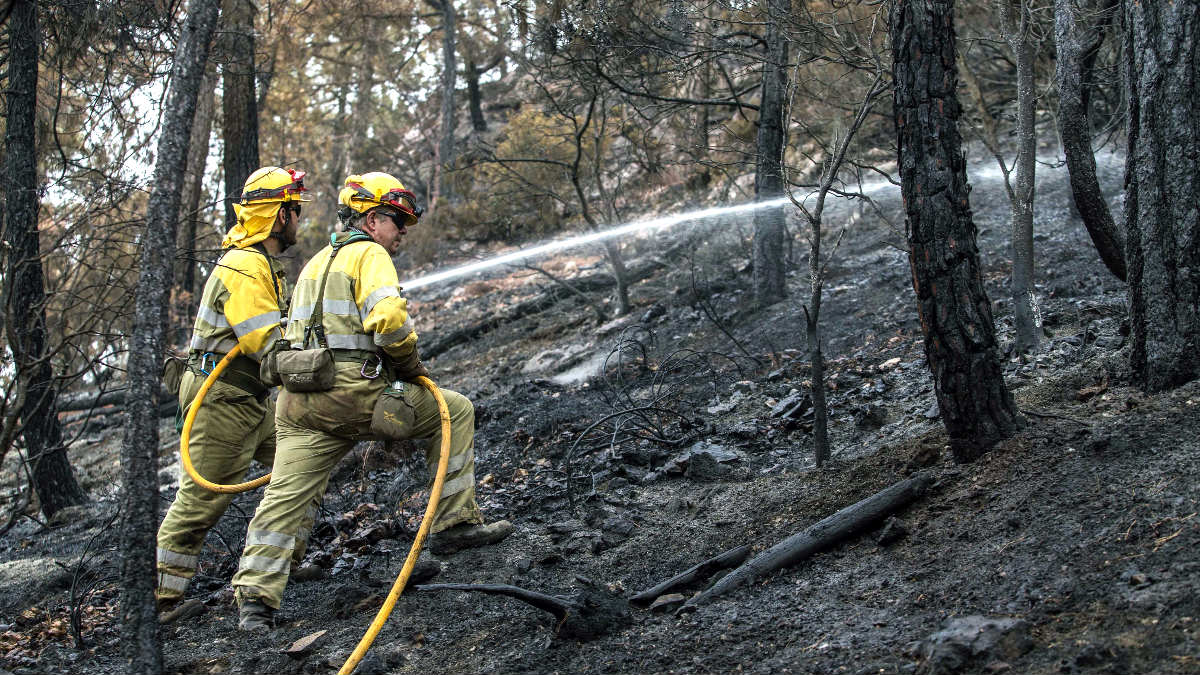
{"points": [[651, 225]]}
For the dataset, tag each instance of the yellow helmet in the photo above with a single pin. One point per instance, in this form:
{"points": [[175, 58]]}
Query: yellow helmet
{"points": [[273, 184], [265, 192], [370, 190]]}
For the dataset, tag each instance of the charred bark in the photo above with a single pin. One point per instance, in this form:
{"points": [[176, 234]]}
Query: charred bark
{"points": [[449, 82], [139, 454], [956, 315], [189, 212], [1162, 190], [1025, 315], [816, 361], [1071, 73], [474, 95], [25, 298], [474, 99], [239, 105], [770, 282], [846, 523]]}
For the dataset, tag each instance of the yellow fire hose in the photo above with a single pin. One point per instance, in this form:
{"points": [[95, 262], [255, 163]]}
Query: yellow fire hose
{"points": [[435, 494], [185, 455]]}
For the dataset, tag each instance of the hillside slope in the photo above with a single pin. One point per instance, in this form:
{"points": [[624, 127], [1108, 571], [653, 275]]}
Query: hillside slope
{"points": [[1083, 527]]}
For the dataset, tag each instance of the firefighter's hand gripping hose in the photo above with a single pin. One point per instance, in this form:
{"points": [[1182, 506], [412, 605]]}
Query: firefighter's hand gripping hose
{"points": [[185, 456]]}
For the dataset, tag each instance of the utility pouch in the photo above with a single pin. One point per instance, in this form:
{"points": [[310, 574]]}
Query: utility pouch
{"points": [[393, 417], [268, 372], [305, 370], [172, 374]]}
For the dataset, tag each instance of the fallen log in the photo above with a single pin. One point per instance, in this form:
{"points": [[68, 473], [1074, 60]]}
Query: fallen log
{"points": [[832, 530], [731, 558], [588, 613]]}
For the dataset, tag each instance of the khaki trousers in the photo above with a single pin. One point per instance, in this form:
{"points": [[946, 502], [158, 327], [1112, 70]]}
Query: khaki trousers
{"points": [[313, 432], [232, 428]]}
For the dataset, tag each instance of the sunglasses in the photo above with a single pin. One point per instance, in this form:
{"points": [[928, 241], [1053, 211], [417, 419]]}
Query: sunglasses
{"points": [[294, 208], [396, 219]]}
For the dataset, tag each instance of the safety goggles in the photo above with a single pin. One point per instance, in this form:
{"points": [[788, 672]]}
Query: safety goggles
{"points": [[296, 187], [404, 200]]}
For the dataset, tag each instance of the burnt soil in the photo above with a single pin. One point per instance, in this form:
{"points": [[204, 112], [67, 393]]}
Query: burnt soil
{"points": [[1084, 525]]}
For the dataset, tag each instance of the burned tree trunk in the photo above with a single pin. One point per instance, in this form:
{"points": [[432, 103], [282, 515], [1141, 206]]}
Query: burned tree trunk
{"points": [[445, 153], [620, 276], [474, 99], [770, 282], [139, 453], [1162, 190], [956, 315], [1017, 32], [189, 212], [239, 105], [1071, 74], [474, 95], [53, 480]]}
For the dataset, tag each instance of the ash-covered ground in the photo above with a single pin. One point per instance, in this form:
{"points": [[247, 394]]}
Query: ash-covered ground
{"points": [[629, 450]]}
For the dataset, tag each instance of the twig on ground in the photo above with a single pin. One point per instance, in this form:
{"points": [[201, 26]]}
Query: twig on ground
{"points": [[731, 558], [587, 614], [1053, 416]]}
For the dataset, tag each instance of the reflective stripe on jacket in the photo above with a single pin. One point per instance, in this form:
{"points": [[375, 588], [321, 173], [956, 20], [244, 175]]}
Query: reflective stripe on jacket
{"points": [[362, 305], [239, 305]]}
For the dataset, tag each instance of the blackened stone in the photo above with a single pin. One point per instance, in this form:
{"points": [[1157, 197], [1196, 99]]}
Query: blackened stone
{"points": [[971, 639]]}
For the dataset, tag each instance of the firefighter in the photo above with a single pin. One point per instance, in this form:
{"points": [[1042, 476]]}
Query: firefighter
{"points": [[243, 303], [362, 318]]}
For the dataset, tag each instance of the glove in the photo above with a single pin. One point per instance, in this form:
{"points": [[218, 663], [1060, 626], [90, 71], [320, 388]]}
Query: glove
{"points": [[410, 367], [268, 373]]}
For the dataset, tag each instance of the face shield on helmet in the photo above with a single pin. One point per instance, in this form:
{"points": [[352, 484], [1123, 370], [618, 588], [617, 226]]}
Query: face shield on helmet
{"points": [[273, 184], [375, 189]]}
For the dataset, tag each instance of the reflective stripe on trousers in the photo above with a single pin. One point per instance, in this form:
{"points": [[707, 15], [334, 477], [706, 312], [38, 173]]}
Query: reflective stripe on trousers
{"points": [[230, 431]]}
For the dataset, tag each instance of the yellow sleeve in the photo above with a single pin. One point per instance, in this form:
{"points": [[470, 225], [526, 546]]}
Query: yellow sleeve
{"points": [[385, 312], [252, 308]]}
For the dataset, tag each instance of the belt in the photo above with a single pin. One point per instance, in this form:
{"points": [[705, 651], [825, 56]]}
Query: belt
{"points": [[381, 364], [242, 372], [353, 355]]}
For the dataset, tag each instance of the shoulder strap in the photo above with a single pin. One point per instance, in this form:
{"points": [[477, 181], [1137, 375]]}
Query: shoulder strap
{"points": [[316, 326], [274, 282]]}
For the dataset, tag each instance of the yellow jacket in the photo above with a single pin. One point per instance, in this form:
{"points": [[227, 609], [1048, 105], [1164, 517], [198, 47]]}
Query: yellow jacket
{"points": [[362, 305], [240, 304]]}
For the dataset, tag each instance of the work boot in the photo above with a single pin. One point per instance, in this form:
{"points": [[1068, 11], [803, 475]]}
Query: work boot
{"points": [[254, 616], [467, 535], [181, 610]]}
